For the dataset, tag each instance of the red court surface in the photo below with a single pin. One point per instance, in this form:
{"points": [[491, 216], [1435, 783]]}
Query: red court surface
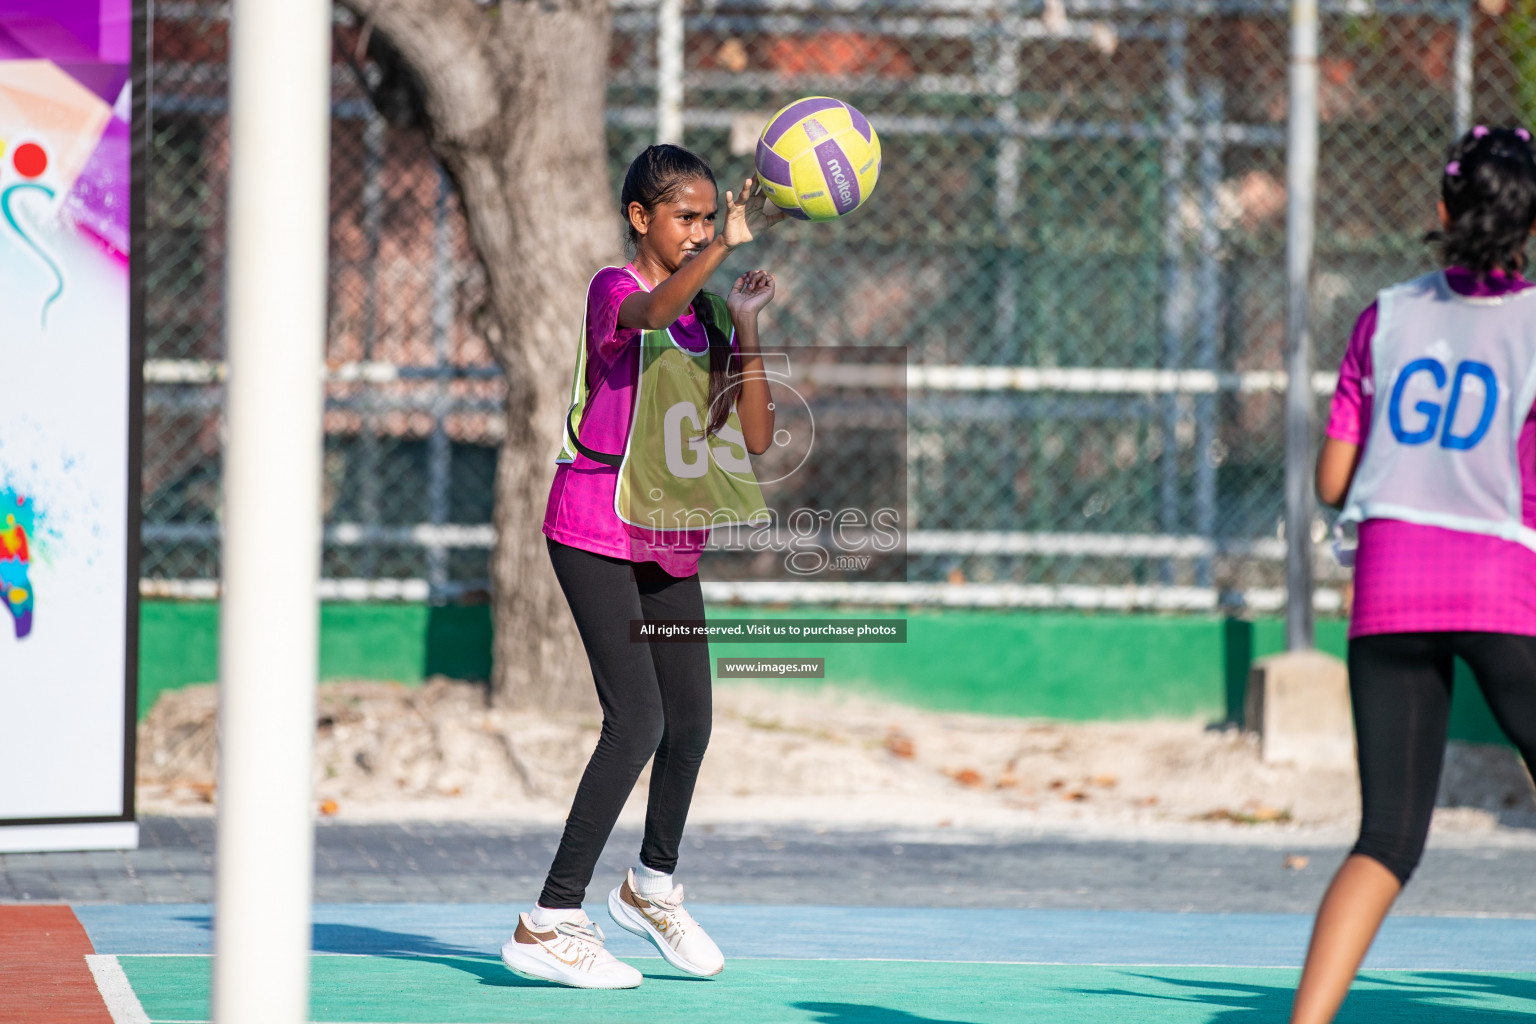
{"points": [[43, 973]]}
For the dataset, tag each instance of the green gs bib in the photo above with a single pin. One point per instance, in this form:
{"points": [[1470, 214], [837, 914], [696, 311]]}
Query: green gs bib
{"points": [[671, 476]]}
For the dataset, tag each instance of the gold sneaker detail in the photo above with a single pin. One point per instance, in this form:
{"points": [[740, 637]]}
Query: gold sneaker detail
{"points": [[526, 935], [664, 922], [658, 918], [571, 953]]}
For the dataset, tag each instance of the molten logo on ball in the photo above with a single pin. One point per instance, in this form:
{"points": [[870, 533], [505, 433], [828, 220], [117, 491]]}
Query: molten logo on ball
{"points": [[845, 190]]}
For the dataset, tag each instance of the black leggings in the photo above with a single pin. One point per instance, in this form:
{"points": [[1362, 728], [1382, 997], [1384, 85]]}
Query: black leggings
{"points": [[1400, 686], [655, 699]]}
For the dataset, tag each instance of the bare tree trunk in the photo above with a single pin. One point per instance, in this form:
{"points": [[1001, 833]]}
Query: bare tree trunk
{"points": [[561, 227], [514, 97]]}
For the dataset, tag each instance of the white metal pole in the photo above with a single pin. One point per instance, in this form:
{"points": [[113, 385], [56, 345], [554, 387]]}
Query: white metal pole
{"points": [[1301, 193], [1463, 66], [669, 72], [268, 653]]}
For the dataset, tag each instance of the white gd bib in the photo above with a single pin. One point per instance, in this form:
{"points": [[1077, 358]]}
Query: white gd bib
{"points": [[1454, 379]]}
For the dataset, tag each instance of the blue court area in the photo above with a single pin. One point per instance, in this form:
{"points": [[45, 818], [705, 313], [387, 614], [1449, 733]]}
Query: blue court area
{"points": [[438, 964]]}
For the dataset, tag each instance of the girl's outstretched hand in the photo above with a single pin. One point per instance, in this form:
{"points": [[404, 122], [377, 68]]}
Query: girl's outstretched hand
{"points": [[750, 293], [748, 213]]}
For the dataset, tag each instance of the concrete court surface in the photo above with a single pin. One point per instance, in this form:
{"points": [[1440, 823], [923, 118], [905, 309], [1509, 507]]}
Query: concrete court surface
{"points": [[833, 927]]}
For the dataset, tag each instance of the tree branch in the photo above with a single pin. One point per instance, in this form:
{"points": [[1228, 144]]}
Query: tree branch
{"points": [[444, 42], [509, 13]]}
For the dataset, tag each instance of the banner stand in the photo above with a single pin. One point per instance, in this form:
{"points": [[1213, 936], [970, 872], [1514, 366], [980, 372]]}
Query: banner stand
{"points": [[91, 835], [73, 129]]}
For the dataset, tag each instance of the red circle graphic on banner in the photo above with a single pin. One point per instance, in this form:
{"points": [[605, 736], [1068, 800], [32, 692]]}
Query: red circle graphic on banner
{"points": [[30, 160]]}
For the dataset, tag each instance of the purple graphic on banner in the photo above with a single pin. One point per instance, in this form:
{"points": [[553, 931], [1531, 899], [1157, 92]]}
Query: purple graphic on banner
{"points": [[64, 83], [98, 204], [61, 30]]}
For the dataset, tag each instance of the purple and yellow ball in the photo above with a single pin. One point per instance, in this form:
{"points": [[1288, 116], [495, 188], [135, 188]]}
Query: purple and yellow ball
{"points": [[818, 158]]}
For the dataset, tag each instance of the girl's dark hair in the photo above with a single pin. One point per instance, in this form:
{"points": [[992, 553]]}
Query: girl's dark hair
{"points": [[657, 176], [1489, 188]]}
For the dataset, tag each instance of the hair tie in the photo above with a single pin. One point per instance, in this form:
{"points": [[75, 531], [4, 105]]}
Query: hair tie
{"points": [[1479, 131], [1453, 168], [1525, 136]]}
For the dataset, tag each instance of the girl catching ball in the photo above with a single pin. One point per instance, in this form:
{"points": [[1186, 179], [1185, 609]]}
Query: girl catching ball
{"points": [[668, 400], [1431, 448]]}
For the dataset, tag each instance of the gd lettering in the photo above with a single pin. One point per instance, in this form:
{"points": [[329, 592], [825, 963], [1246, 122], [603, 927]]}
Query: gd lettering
{"points": [[1473, 379]]}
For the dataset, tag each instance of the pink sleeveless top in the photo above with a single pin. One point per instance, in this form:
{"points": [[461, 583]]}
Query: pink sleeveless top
{"points": [[580, 509]]}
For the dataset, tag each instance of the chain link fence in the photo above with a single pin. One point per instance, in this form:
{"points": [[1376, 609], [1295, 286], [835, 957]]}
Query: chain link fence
{"points": [[1079, 238], [413, 398]]}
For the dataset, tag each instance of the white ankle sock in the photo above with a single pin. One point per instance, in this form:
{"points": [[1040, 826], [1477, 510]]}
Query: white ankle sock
{"points": [[651, 883], [545, 917]]}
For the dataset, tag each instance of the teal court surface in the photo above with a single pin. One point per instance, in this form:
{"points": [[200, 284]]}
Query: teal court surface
{"points": [[819, 927], [421, 963]]}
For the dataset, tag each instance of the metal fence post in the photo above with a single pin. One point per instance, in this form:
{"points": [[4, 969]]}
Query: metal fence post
{"points": [[1301, 190], [1004, 73], [1176, 297], [1463, 63], [1208, 316], [1097, 272], [368, 447], [669, 72], [439, 445]]}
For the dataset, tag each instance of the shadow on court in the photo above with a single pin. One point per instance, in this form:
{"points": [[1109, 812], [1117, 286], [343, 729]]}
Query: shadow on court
{"points": [[351, 938], [363, 941], [487, 968], [357, 940], [861, 1013], [1411, 997]]}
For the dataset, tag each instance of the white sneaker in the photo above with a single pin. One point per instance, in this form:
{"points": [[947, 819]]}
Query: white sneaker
{"points": [[571, 953], [663, 921]]}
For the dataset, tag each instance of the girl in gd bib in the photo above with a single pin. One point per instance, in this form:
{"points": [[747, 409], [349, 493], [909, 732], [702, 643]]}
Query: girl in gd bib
{"points": [[1431, 448]]}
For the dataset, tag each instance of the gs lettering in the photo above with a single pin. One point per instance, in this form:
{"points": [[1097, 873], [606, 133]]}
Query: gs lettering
{"points": [[680, 430]]}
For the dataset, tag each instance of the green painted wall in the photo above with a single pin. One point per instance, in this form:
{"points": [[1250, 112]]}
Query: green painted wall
{"points": [[1055, 665], [178, 646], [1048, 664], [179, 643]]}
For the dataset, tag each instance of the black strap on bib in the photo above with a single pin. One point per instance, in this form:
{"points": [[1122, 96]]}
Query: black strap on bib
{"points": [[605, 458], [712, 331]]}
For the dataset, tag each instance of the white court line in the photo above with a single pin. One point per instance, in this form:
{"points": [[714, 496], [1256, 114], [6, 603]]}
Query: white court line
{"points": [[491, 953], [133, 1013], [873, 960], [1138, 967], [115, 991]]}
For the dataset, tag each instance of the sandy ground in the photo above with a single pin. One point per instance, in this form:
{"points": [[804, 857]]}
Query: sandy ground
{"points": [[827, 759]]}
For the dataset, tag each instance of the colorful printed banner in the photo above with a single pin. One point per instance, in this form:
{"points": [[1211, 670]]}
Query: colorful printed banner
{"points": [[66, 425]]}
